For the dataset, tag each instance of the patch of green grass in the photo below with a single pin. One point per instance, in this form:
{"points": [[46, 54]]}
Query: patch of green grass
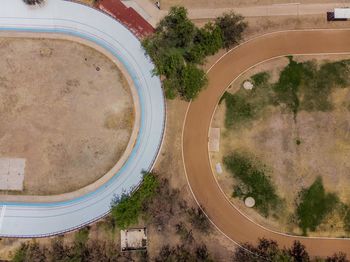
{"points": [[237, 110], [316, 91], [126, 208], [301, 86], [257, 184], [260, 79], [314, 205], [347, 219], [245, 105], [288, 84]]}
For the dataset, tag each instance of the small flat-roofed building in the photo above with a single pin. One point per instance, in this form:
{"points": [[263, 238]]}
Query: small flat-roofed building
{"points": [[341, 13], [133, 239]]}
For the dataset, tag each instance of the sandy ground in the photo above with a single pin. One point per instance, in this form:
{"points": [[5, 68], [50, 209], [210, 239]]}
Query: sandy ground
{"points": [[52, 114], [165, 4], [324, 149]]}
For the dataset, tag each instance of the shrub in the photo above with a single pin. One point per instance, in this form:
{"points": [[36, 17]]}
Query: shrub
{"points": [[33, 2], [257, 182], [314, 205], [232, 27], [237, 110], [178, 47], [199, 220], [127, 207]]}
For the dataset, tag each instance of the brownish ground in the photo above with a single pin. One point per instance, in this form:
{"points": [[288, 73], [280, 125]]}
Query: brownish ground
{"points": [[64, 107], [165, 4], [324, 150]]}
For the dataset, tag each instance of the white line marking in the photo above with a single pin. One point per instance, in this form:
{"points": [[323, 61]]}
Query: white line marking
{"points": [[2, 216]]}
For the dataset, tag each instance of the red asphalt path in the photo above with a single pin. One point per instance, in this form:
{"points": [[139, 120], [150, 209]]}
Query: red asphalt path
{"points": [[127, 16]]}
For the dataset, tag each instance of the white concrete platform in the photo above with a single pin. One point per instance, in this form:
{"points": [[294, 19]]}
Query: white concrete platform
{"points": [[12, 173], [214, 139]]}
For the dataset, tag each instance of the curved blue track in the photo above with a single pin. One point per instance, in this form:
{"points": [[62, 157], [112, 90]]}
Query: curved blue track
{"points": [[58, 16]]}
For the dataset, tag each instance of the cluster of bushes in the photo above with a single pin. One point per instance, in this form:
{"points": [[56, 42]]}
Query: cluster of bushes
{"points": [[33, 2], [268, 250], [304, 86], [301, 86], [178, 47], [127, 208], [254, 182], [314, 204], [246, 105], [81, 250]]}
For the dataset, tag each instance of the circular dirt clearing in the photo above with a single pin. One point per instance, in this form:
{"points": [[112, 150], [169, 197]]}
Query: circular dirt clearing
{"points": [[65, 108]]}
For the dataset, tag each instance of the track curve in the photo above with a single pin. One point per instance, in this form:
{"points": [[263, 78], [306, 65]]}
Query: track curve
{"points": [[204, 187], [69, 18]]}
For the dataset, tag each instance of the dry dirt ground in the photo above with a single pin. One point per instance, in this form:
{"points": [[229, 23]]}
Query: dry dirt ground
{"points": [[324, 149], [170, 163], [165, 4], [65, 108]]}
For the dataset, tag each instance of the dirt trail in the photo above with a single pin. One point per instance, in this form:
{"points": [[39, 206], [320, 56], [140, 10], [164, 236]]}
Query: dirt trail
{"points": [[195, 137]]}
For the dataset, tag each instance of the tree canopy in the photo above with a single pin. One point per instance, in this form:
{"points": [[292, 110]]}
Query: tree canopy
{"points": [[178, 48]]}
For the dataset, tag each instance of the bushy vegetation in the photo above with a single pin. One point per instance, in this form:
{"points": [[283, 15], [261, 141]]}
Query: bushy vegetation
{"points": [[183, 253], [347, 220], [178, 47], [238, 110], [33, 2], [127, 208], [232, 27], [301, 86], [268, 250], [199, 220], [247, 105], [314, 205], [255, 182], [102, 251]]}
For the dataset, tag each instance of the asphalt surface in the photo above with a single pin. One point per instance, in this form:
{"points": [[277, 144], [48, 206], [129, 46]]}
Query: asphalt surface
{"points": [[24, 219], [206, 191]]}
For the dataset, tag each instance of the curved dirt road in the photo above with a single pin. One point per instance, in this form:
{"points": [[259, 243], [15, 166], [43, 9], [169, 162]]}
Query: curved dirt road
{"points": [[195, 134]]}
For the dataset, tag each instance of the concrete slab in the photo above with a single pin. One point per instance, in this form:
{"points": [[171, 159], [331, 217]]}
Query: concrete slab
{"points": [[214, 139], [133, 239], [12, 173]]}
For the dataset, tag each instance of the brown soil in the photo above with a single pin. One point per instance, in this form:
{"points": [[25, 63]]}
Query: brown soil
{"points": [[64, 107], [165, 4], [324, 149]]}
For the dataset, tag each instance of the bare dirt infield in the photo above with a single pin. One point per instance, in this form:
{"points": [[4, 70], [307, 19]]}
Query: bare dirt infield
{"points": [[66, 108], [324, 150]]}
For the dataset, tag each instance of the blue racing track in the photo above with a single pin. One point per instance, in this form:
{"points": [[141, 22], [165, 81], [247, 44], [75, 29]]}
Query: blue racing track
{"points": [[32, 219]]}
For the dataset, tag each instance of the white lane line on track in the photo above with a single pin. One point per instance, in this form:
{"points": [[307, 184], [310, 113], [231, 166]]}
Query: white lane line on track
{"points": [[3, 209]]}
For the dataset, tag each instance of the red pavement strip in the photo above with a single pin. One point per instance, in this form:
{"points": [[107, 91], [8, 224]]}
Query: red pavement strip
{"points": [[127, 16]]}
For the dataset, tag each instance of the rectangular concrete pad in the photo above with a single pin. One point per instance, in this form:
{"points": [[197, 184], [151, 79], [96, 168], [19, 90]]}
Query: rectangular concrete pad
{"points": [[12, 173], [133, 239], [214, 139]]}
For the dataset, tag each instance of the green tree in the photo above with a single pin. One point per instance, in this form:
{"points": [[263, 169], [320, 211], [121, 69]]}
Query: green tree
{"points": [[176, 29], [232, 27], [127, 207], [33, 2], [194, 79], [207, 41]]}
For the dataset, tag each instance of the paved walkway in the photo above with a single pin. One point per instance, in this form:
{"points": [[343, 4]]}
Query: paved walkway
{"points": [[152, 14]]}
